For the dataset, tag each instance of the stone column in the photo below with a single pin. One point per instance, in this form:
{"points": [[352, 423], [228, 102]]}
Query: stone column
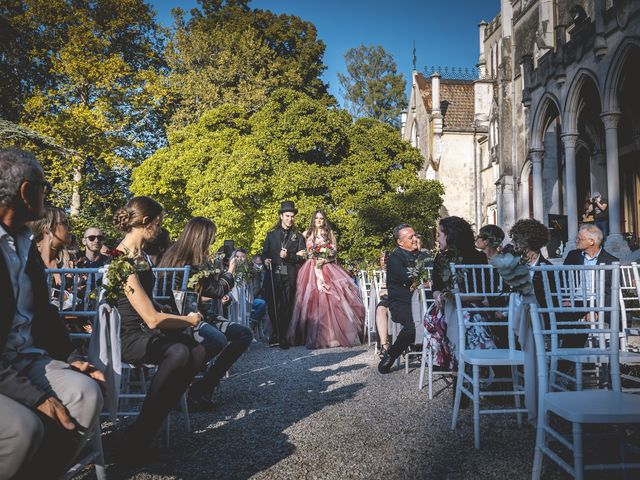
{"points": [[615, 242], [571, 197], [536, 155]]}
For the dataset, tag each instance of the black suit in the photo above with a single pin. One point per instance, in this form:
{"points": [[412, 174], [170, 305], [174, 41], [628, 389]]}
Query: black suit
{"points": [[47, 329], [281, 294]]}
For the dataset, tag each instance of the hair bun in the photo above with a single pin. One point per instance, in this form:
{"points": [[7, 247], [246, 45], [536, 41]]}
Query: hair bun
{"points": [[122, 220]]}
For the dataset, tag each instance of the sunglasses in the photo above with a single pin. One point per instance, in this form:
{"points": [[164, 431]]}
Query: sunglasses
{"points": [[46, 186], [93, 238]]}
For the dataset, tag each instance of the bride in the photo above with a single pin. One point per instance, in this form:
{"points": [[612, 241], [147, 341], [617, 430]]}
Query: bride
{"points": [[328, 311]]}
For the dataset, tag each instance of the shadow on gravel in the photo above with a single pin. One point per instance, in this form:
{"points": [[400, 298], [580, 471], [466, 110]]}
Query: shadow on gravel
{"points": [[246, 435]]}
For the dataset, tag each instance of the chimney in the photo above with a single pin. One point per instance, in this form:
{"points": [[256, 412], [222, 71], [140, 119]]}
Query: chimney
{"points": [[482, 63], [435, 93]]}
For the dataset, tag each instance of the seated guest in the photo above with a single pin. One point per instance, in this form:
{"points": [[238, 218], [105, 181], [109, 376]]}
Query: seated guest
{"points": [[529, 237], [456, 243], [225, 339], [399, 285], [489, 239], [157, 247], [142, 332], [93, 241], [51, 235], [382, 312], [47, 406], [589, 252]]}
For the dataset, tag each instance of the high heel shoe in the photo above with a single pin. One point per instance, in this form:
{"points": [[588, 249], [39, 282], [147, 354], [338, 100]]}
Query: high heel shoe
{"points": [[383, 349]]}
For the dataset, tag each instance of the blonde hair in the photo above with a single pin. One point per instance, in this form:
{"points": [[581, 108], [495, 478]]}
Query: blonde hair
{"points": [[52, 217]]}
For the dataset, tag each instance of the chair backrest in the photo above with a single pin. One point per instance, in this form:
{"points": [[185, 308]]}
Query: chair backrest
{"points": [[364, 285], [574, 291], [479, 290], [629, 297], [168, 279], [477, 279], [76, 294]]}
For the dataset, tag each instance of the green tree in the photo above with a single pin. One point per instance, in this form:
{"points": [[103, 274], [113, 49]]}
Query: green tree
{"points": [[372, 86], [93, 84], [227, 53], [236, 168]]}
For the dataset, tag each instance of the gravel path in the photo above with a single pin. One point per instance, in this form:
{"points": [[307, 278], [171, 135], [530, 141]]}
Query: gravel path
{"points": [[329, 414]]}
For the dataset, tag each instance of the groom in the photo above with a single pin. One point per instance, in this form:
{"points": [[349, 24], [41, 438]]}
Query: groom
{"points": [[279, 252]]}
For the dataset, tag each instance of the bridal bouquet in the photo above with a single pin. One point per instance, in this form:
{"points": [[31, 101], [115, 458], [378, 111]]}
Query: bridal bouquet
{"points": [[323, 253], [514, 270], [116, 273]]}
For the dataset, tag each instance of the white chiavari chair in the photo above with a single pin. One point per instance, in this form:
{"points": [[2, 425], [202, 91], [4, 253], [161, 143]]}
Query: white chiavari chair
{"points": [[481, 303], [550, 326]]}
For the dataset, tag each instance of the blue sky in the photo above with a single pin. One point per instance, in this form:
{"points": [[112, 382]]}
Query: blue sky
{"points": [[445, 33]]}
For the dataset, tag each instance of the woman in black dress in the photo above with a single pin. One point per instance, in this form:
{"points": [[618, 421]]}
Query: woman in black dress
{"points": [[177, 356]]}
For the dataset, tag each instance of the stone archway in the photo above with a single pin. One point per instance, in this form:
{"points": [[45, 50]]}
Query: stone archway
{"points": [[545, 159], [622, 132]]}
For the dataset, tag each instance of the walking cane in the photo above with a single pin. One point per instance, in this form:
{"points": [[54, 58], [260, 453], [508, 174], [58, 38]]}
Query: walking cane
{"points": [[274, 321]]}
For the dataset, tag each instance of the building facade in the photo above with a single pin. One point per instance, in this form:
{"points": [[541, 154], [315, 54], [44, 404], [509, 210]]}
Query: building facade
{"points": [[447, 120], [564, 120]]}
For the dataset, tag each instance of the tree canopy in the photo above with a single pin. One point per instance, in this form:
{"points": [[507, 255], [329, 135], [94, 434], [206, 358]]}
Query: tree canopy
{"points": [[228, 53], [372, 86], [236, 167], [90, 83]]}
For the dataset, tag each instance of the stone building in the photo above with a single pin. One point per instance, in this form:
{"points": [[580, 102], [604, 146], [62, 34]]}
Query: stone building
{"points": [[447, 121], [564, 118]]}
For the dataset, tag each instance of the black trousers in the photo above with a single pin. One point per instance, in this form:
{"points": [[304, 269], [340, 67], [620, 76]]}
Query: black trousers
{"points": [[281, 296], [401, 313]]}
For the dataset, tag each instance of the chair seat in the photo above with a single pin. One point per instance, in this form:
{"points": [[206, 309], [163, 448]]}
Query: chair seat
{"points": [[594, 406], [493, 357]]}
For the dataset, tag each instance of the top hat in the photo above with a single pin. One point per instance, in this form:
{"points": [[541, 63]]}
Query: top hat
{"points": [[288, 206]]}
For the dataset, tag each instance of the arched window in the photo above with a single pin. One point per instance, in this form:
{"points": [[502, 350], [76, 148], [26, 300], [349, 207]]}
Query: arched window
{"points": [[414, 134]]}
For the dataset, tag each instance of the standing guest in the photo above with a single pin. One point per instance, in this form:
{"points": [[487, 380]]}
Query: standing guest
{"points": [[489, 239], [328, 311], [156, 248], [47, 406], [93, 240], [601, 212], [399, 291], [282, 251], [142, 328], [221, 338]]}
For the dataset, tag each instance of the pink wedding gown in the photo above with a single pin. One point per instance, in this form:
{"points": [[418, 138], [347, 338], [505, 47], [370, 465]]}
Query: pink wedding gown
{"points": [[328, 311]]}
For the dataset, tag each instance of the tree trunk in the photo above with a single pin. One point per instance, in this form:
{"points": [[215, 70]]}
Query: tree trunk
{"points": [[75, 195]]}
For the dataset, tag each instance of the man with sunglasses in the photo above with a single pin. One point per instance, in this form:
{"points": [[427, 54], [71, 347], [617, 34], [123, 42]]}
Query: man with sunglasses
{"points": [[93, 240]]}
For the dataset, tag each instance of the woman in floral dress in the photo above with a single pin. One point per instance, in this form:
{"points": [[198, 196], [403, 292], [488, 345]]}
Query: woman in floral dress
{"points": [[456, 244], [328, 311]]}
